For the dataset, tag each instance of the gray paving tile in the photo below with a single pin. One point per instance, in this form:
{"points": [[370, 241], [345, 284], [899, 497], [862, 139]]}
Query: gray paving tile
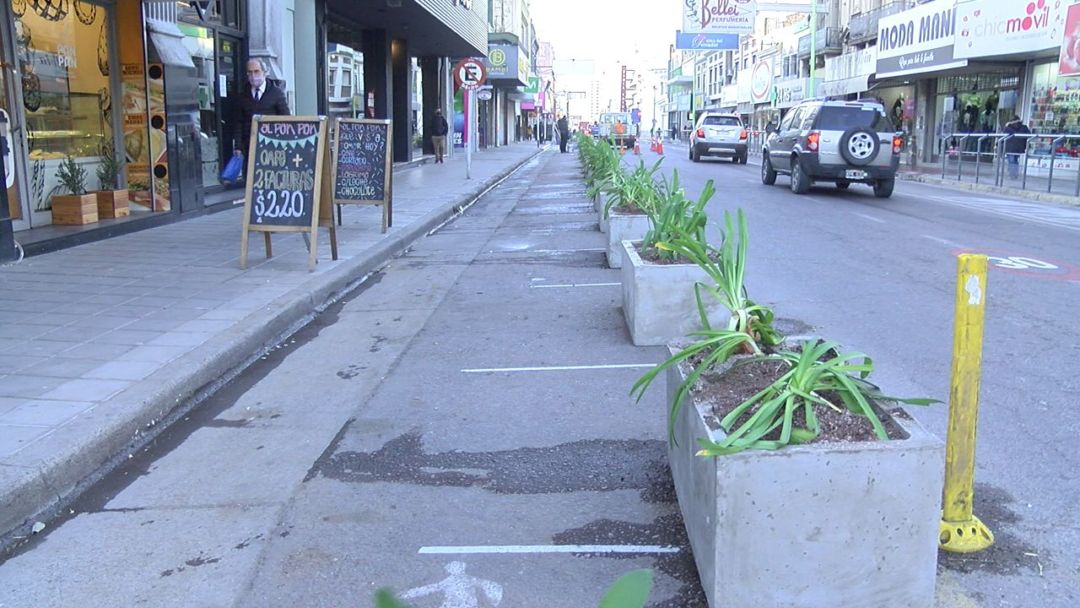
{"points": [[42, 412], [127, 336], [154, 354], [206, 325], [106, 298], [228, 314], [182, 338], [46, 348], [124, 370], [24, 385], [9, 403], [76, 333], [22, 331], [131, 310], [61, 367], [87, 389], [13, 362], [101, 352], [158, 325], [14, 438], [102, 322]]}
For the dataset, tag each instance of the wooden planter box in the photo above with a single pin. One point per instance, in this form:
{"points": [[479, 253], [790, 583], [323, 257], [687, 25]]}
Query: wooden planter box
{"points": [[73, 210], [112, 203], [842, 525], [658, 299]]}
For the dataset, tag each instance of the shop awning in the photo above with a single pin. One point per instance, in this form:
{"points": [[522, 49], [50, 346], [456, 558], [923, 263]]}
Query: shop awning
{"points": [[168, 41], [846, 86]]}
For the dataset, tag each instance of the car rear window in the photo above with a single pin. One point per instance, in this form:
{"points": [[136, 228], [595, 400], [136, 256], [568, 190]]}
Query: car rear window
{"points": [[721, 121], [833, 118]]}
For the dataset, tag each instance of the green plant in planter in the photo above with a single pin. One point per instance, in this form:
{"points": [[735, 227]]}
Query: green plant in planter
{"points": [[108, 172], [676, 218], [818, 368], [604, 167], [72, 177], [750, 328], [637, 191]]}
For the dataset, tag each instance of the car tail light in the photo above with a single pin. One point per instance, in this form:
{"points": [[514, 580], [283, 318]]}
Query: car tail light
{"points": [[701, 132], [897, 144], [743, 134], [812, 141]]}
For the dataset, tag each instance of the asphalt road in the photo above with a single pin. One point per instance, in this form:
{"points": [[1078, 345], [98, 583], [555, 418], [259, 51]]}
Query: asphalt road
{"points": [[879, 276], [466, 410]]}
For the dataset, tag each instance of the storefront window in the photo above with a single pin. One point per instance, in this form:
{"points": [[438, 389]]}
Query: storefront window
{"points": [[899, 103], [1055, 101], [64, 58], [976, 103], [199, 41]]}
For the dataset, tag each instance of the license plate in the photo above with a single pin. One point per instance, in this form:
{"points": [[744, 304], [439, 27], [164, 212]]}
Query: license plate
{"points": [[855, 174]]}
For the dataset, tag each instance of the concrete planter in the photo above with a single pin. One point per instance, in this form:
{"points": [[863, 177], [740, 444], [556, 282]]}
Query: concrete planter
{"points": [[843, 525], [658, 299], [624, 227]]}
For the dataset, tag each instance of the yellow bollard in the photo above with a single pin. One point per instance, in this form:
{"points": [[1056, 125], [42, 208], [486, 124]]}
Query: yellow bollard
{"points": [[961, 531]]}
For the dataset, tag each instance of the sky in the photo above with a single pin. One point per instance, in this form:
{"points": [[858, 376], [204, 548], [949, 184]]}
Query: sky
{"points": [[635, 32]]}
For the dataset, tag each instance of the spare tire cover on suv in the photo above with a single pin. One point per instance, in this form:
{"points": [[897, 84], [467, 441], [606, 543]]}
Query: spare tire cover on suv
{"points": [[859, 146]]}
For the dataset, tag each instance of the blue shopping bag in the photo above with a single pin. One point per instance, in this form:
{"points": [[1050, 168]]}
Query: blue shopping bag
{"points": [[233, 169]]}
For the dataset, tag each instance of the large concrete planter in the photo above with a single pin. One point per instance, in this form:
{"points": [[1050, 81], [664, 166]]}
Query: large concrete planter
{"points": [[843, 525], [624, 227], [658, 299]]}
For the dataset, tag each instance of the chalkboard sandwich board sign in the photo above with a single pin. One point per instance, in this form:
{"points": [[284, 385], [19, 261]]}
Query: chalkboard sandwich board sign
{"points": [[284, 179], [362, 164]]}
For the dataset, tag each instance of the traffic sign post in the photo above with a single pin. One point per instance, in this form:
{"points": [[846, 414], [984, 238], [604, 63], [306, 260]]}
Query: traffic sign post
{"points": [[469, 74]]}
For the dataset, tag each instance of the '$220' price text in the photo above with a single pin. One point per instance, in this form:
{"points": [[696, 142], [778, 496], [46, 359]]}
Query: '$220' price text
{"points": [[279, 204]]}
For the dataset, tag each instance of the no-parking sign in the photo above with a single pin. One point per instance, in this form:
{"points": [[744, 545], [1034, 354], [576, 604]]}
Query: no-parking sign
{"points": [[470, 74]]}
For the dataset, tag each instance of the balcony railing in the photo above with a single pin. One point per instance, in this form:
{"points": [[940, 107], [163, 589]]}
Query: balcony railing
{"points": [[829, 40], [864, 27]]}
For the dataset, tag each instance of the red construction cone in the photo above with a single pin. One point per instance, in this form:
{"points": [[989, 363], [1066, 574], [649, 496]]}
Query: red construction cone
{"points": [[660, 147], [637, 147]]}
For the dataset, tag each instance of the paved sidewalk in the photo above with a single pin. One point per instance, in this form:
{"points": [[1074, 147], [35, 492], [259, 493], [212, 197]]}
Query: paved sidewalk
{"points": [[1063, 191], [103, 344]]}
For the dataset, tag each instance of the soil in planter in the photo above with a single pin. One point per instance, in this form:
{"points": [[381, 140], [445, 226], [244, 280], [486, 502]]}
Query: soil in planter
{"points": [[652, 256], [746, 379]]}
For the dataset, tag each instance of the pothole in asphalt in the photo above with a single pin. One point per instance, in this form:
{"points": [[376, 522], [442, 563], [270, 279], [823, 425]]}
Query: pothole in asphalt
{"points": [[1009, 554], [667, 530], [594, 465]]}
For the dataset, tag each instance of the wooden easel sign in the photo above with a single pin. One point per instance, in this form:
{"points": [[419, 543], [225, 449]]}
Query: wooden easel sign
{"points": [[363, 164], [284, 179]]}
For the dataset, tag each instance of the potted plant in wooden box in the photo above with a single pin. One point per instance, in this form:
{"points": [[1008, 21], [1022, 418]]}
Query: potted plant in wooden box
{"points": [[659, 284], [632, 197], [77, 207], [797, 488], [112, 201]]}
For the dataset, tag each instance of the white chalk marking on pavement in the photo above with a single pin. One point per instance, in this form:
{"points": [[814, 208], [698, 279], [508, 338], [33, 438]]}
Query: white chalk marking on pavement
{"points": [[489, 549], [459, 590], [870, 217], [943, 241], [574, 285], [557, 368]]}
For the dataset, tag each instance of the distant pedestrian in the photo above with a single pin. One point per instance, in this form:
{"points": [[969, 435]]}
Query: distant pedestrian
{"points": [[1015, 146], [258, 97], [674, 132], [564, 132], [439, 129]]}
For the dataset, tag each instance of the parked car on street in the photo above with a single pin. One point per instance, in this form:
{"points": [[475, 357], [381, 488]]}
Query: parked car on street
{"points": [[717, 134], [842, 142]]}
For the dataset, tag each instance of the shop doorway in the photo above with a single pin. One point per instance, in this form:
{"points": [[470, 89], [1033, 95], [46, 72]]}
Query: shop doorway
{"points": [[12, 131]]}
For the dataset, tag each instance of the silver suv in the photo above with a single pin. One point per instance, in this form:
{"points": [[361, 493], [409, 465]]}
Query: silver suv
{"points": [[717, 134], [843, 142]]}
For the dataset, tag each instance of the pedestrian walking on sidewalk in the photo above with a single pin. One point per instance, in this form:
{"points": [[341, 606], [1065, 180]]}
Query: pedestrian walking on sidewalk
{"points": [[1015, 146], [439, 129], [259, 96], [564, 132]]}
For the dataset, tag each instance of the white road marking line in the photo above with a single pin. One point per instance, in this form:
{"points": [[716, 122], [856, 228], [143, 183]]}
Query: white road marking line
{"points": [[943, 241], [488, 549], [870, 217], [544, 250], [557, 368], [574, 285]]}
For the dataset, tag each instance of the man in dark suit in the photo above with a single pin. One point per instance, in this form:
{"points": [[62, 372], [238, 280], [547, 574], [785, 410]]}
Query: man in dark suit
{"points": [[260, 96]]}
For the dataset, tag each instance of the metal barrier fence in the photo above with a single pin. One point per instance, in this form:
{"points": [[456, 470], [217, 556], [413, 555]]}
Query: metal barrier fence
{"points": [[1050, 161]]}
